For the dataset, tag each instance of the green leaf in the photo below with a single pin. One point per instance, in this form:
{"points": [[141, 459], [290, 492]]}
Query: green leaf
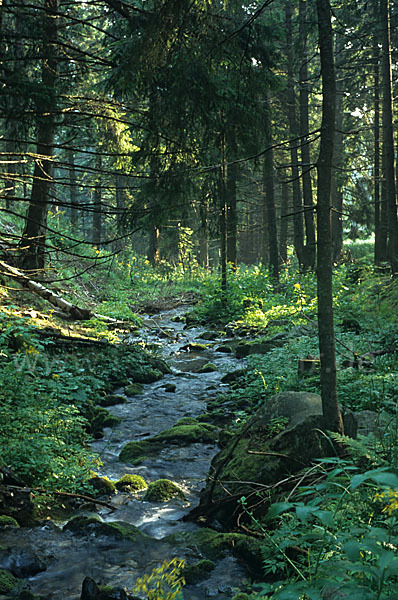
{"points": [[278, 508], [352, 550], [303, 512]]}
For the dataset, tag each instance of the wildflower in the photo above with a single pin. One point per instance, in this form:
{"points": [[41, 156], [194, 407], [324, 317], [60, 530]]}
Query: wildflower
{"points": [[55, 376]]}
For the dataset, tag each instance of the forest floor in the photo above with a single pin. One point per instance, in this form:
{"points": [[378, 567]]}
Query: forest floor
{"points": [[96, 417]]}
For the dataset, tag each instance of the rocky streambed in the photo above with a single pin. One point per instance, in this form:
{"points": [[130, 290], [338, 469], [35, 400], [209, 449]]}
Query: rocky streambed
{"points": [[164, 434]]}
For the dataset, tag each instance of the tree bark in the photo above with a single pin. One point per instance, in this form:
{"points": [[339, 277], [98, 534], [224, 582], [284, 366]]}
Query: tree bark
{"points": [[388, 136], [232, 216], [284, 222], [153, 254], [97, 204], [327, 349], [203, 234], [223, 215], [73, 211], [310, 245], [338, 161], [380, 247], [33, 239], [293, 129], [269, 199]]}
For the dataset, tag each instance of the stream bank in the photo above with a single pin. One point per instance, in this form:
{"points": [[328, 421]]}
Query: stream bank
{"points": [[117, 555]]}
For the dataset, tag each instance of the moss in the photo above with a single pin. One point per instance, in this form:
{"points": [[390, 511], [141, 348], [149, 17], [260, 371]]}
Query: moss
{"points": [[8, 522], [112, 399], [103, 485], [146, 375], [160, 365], [136, 452], [214, 545], [197, 572], [81, 523], [119, 530], [226, 348], [134, 389], [208, 368], [131, 482], [189, 434], [170, 388], [242, 596], [186, 421], [163, 490], [100, 418], [7, 582]]}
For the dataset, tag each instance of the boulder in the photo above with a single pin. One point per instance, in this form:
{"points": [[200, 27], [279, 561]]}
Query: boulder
{"points": [[91, 591], [283, 437], [23, 563]]}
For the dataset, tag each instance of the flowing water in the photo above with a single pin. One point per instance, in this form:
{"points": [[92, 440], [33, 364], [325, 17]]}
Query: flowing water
{"points": [[70, 558]]}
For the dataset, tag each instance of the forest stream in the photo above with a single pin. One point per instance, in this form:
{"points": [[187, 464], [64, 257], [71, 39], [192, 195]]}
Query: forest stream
{"points": [[68, 557]]}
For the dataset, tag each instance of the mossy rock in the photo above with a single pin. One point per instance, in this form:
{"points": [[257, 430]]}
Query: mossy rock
{"points": [[160, 365], [264, 455], [81, 523], [112, 400], [170, 388], [210, 543], [243, 596], [181, 435], [146, 375], [7, 582], [198, 571], [7, 522], [103, 485], [119, 530], [134, 389], [233, 376], [225, 348], [100, 418], [163, 490], [131, 483], [136, 452], [214, 545], [260, 346], [186, 421], [208, 368], [188, 434]]}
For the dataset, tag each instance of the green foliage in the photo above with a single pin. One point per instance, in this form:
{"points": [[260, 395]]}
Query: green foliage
{"points": [[48, 403], [163, 583], [331, 535]]}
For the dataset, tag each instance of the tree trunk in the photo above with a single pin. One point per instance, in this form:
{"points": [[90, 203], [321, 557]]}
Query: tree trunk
{"points": [[338, 161], [223, 216], [97, 204], [293, 129], [310, 245], [33, 239], [232, 218], [388, 136], [380, 247], [269, 199], [284, 222], [73, 210], [203, 234], [153, 254], [327, 349]]}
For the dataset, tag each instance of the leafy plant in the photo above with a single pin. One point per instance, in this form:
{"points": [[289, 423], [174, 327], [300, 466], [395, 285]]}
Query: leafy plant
{"points": [[163, 583]]}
